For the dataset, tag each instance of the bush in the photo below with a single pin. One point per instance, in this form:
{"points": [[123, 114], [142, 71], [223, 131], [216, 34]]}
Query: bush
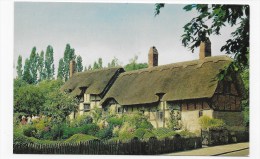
{"points": [[19, 138], [79, 138], [105, 133], [89, 129], [138, 120], [81, 121], [56, 132], [207, 122], [187, 134], [29, 131], [140, 133], [115, 121], [148, 134]]}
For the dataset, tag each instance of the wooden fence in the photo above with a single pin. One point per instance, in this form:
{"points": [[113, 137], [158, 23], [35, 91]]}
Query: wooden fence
{"points": [[133, 147]]}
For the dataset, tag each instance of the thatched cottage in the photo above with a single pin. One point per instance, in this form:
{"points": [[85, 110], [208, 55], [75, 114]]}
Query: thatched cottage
{"points": [[90, 86], [181, 91]]}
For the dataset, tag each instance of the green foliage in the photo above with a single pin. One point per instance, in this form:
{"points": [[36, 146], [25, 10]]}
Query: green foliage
{"points": [[59, 105], [89, 129], [207, 122], [97, 65], [79, 66], [49, 63], [105, 133], [29, 131], [186, 134], [158, 7], [115, 121], [19, 66], [114, 63], [133, 65], [81, 120], [77, 138], [245, 101], [28, 99], [33, 65], [148, 134], [19, 138], [138, 120], [140, 133], [63, 70], [96, 114], [198, 30], [27, 72], [41, 68]]}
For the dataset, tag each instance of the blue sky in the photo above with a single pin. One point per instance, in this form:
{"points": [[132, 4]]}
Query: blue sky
{"points": [[105, 30]]}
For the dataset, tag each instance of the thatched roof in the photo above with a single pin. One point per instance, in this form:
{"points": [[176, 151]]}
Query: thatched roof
{"points": [[178, 81], [94, 81]]}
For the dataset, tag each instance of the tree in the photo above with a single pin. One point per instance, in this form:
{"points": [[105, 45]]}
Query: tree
{"points": [[79, 65], [27, 72], [33, 65], [89, 67], [100, 63], [133, 65], [59, 105], [60, 74], [28, 99], [114, 63], [49, 65], [198, 30], [19, 66], [41, 68], [69, 54]]}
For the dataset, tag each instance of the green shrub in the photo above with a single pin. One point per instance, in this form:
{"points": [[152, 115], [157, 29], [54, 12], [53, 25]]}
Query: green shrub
{"points": [[186, 134], [105, 133], [79, 138], [140, 133], [90, 129], [115, 121], [207, 122], [138, 120], [19, 138], [56, 132], [148, 134], [81, 121], [161, 131], [29, 131]]}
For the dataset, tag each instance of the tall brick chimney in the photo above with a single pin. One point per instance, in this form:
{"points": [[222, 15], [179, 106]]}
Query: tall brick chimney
{"points": [[72, 67], [205, 49], [152, 57]]}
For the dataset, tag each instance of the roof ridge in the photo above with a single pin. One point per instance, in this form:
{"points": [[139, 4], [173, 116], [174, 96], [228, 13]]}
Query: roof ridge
{"points": [[97, 70], [183, 64]]}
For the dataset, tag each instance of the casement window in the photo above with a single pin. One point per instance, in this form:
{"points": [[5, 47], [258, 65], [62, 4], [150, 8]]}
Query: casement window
{"points": [[119, 110], [86, 107], [125, 109]]}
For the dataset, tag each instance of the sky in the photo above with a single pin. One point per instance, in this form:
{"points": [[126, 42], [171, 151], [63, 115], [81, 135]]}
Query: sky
{"points": [[105, 30]]}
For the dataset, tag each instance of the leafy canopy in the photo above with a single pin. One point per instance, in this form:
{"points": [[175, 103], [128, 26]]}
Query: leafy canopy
{"points": [[213, 18]]}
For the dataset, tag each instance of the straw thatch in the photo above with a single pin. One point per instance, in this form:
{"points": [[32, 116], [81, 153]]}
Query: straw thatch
{"points": [[95, 81], [178, 81]]}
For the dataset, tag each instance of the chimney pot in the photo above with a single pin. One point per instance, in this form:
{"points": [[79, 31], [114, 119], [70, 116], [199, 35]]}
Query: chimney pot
{"points": [[72, 67], [153, 57], [205, 49]]}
